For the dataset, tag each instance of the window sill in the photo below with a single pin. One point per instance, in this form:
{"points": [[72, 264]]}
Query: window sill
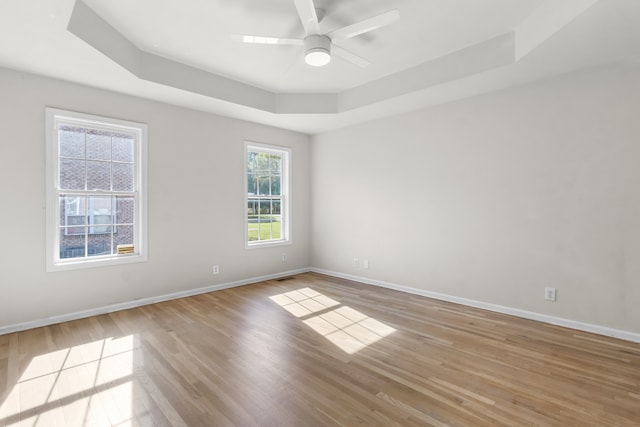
{"points": [[97, 262], [268, 244]]}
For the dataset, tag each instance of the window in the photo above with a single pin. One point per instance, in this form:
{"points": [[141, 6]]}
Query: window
{"points": [[96, 190], [267, 195]]}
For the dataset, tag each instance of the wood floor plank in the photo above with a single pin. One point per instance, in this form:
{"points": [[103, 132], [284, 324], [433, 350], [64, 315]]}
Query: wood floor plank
{"points": [[315, 350]]}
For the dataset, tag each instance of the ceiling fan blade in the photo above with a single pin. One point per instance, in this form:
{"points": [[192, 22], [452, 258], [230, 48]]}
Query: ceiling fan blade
{"points": [[251, 39], [308, 16], [365, 26], [348, 56]]}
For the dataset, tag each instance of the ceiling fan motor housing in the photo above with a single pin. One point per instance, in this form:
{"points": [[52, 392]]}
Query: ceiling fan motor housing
{"points": [[317, 50]]}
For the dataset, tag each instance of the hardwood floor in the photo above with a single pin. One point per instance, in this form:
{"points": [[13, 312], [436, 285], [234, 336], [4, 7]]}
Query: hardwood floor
{"points": [[314, 350]]}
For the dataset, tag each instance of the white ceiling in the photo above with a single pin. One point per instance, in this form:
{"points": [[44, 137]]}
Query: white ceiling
{"points": [[204, 28], [182, 52]]}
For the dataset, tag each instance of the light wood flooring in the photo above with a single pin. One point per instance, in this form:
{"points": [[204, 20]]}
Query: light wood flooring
{"points": [[313, 351]]}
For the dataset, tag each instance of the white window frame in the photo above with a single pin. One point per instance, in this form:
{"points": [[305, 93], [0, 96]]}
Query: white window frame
{"points": [[53, 119], [285, 190]]}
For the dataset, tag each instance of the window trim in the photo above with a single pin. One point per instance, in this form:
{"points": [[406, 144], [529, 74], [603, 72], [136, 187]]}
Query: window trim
{"points": [[53, 116], [285, 190]]}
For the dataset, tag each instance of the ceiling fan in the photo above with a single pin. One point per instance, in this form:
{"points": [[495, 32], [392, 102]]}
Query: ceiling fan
{"points": [[318, 47]]}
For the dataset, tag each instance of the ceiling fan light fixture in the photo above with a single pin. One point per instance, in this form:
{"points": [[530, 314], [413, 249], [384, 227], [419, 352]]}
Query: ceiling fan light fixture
{"points": [[317, 50], [317, 57]]}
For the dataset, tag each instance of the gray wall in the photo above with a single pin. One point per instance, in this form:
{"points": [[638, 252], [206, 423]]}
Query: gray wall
{"points": [[491, 198], [196, 203], [494, 198]]}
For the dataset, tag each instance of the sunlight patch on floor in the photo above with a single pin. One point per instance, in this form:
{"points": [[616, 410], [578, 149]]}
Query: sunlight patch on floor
{"points": [[88, 384], [303, 302], [345, 327]]}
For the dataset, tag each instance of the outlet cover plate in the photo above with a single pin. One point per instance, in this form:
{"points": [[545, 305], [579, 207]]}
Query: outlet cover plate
{"points": [[550, 294]]}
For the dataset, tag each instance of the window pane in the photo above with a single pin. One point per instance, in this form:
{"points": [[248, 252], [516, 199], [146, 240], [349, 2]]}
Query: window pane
{"points": [[71, 206], [123, 179], [123, 235], [73, 215], [275, 228], [100, 224], [275, 164], [265, 230], [252, 184], [71, 142], [100, 204], [251, 158], [100, 217], [252, 208], [98, 176], [71, 174], [98, 146], [262, 163], [263, 185], [78, 222], [122, 149], [265, 207], [252, 231], [71, 246], [125, 210], [99, 244], [275, 185]]}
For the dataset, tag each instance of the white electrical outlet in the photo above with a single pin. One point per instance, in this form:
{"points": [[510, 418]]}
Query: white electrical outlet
{"points": [[216, 269], [284, 257], [550, 294], [356, 263]]}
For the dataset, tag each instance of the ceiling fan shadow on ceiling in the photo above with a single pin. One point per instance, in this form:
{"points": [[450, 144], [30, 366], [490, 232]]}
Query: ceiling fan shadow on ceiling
{"points": [[318, 47]]}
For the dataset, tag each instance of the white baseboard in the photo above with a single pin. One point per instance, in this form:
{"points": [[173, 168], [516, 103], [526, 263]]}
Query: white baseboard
{"points": [[573, 324], [140, 302], [581, 326]]}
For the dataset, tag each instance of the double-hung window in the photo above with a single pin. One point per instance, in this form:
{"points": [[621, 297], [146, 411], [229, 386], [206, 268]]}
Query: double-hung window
{"points": [[267, 195], [96, 190]]}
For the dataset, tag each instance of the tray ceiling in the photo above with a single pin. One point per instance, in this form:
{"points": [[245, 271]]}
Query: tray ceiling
{"points": [[183, 52]]}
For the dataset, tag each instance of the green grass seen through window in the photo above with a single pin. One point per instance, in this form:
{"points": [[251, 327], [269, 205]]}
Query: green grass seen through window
{"points": [[266, 230]]}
